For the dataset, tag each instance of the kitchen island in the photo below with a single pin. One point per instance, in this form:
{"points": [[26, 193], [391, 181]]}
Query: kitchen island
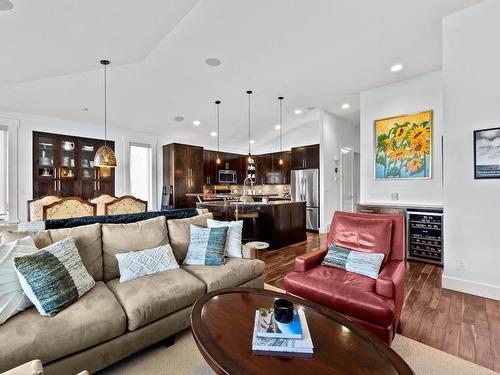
{"points": [[280, 223]]}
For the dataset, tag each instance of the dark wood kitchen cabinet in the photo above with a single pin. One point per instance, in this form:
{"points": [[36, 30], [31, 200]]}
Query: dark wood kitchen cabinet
{"points": [[210, 167], [305, 157], [183, 170], [63, 166]]}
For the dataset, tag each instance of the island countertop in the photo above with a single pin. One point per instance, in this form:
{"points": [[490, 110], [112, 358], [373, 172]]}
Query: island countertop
{"points": [[279, 223]]}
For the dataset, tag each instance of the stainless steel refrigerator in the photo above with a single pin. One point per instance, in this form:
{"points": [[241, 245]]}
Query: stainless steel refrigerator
{"points": [[305, 187]]}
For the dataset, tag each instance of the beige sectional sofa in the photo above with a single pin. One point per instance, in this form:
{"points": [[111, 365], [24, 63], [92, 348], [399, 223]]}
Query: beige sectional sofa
{"points": [[115, 320]]}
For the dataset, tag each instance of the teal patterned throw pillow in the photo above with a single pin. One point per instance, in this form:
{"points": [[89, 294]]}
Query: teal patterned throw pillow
{"points": [[367, 264], [206, 246], [54, 277]]}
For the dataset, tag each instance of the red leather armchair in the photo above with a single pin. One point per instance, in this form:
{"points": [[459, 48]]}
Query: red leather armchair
{"points": [[373, 304]]}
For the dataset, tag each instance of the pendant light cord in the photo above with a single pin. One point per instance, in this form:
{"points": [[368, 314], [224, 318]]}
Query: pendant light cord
{"points": [[105, 106], [249, 132], [281, 123], [218, 125]]}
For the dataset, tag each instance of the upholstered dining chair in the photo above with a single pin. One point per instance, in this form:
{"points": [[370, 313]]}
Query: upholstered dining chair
{"points": [[67, 208], [101, 201], [125, 205], [35, 206]]}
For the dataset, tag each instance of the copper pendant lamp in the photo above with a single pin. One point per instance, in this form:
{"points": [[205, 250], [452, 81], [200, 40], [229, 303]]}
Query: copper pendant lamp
{"points": [[105, 158]]}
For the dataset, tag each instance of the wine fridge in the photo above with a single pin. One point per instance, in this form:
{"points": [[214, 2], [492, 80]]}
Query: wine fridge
{"points": [[425, 236]]}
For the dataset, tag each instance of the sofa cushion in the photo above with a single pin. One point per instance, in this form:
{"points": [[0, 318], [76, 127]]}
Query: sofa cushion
{"points": [[42, 238], [88, 242], [155, 296], [344, 292], [371, 235], [122, 238], [178, 232], [95, 318], [235, 272]]}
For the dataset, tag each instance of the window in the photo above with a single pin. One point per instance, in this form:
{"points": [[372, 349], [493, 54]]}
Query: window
{"points": [[4, 173], [141, 172]]}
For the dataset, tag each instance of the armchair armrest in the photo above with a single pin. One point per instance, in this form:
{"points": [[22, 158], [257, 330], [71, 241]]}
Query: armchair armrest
{"points": [[307, 261], [390, 282]]}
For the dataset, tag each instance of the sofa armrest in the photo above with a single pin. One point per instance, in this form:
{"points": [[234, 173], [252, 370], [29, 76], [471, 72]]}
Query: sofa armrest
{"points": [[310, 260], [390, 282]]}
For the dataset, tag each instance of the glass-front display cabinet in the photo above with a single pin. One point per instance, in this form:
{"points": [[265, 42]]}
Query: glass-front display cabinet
{"points": [[64, 166]]}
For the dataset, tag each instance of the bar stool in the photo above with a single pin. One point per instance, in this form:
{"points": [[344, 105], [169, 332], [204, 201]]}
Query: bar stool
{"points": [[254, 216]]}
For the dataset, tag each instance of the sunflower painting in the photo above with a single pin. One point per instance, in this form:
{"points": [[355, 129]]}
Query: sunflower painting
{"points": [[403, 146]]}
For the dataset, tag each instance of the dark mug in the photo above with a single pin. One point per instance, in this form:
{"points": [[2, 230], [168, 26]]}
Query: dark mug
{"points": [[283, 310]]}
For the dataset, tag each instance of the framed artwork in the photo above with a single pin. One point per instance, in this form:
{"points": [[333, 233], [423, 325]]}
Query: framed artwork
{"points": [[403, 146], [487, 153]]}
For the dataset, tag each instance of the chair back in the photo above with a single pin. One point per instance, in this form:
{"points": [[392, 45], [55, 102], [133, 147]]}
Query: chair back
{"points": [[101, 201], [68, 208], [369, 232], [35, 206], [125, 205]]}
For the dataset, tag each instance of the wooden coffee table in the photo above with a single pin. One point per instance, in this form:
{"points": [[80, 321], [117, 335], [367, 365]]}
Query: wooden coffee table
{"points": [[222, 324]]}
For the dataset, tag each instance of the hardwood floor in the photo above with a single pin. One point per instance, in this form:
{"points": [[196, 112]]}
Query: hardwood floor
{"points": [[461, 324]]}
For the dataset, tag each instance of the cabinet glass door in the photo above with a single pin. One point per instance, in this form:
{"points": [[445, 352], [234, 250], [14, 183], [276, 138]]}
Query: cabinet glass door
{"points": [[67, 171], [44, 181]]}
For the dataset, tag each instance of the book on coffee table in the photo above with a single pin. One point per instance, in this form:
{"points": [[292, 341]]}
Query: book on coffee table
{"points": [[266, 345], [267, 326]]}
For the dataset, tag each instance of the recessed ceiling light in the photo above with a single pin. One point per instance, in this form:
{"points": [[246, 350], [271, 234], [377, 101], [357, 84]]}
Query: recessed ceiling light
{"points": [[84, 109], [178, 118], [213, 134], [297, 111], [6, 5], [396, 68], [346, 106], [277, 127], [311, 108], [251, 141], [212, 61], [196, 122]]}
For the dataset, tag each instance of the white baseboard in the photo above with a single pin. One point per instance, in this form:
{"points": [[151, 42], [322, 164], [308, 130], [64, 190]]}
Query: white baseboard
{"points": [[471, 287]]}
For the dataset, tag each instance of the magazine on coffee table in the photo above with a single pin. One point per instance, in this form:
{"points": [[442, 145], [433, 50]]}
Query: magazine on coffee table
{"points": [[267, 326], [266, 345]]}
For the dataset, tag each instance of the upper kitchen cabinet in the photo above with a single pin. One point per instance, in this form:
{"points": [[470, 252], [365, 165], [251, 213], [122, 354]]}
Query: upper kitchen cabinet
{"points": [[183, 167], [305, 157], [210, 167]]}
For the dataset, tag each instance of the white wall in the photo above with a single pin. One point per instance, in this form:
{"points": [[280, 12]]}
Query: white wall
{"points": [[471, 76], [335, 133], [29, 123], [414, 95], [3, 169]]}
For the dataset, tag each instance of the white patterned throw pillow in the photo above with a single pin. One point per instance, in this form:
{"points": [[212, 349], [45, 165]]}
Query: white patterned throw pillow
{"points": [[234, 234], [135, 264], [12, 297]]}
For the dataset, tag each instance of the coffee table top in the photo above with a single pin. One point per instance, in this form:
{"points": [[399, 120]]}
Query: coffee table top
{"points": [[222, 323]]}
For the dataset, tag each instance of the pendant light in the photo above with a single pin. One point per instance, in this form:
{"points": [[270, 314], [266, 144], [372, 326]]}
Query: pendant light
{"points": [[249, 129], [105, 158], [281, 130], [217, 103]]}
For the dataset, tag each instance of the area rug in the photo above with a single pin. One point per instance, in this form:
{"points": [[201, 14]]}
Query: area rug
{"points": [[184, 358]]}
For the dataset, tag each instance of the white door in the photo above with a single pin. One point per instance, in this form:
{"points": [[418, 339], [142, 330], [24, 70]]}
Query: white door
{"points": [[347, 180]]}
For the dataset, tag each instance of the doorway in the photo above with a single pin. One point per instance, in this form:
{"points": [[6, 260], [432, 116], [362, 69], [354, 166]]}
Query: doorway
{"points": [[4, 173], [349, 179]]}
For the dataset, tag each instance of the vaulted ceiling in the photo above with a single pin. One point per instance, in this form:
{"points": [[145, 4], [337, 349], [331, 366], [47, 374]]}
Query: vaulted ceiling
{"points": [[319, 54]]}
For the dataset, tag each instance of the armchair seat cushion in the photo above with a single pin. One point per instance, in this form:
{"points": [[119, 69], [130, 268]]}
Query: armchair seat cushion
{"points": [[345, 292]]}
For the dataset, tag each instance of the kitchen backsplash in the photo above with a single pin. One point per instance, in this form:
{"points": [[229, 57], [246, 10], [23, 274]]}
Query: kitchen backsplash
{"points": [[262, 189]]}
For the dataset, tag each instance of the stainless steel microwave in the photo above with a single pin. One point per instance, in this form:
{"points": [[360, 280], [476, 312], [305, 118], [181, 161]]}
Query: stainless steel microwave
{"points": [[227, 176]]}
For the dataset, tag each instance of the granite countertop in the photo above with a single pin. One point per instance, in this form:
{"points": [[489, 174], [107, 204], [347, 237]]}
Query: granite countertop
{"points": [[252, 204]]}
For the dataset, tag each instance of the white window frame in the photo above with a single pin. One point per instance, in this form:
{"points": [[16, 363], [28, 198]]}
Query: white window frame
{"points": [[153, 203], [12, 127]]}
